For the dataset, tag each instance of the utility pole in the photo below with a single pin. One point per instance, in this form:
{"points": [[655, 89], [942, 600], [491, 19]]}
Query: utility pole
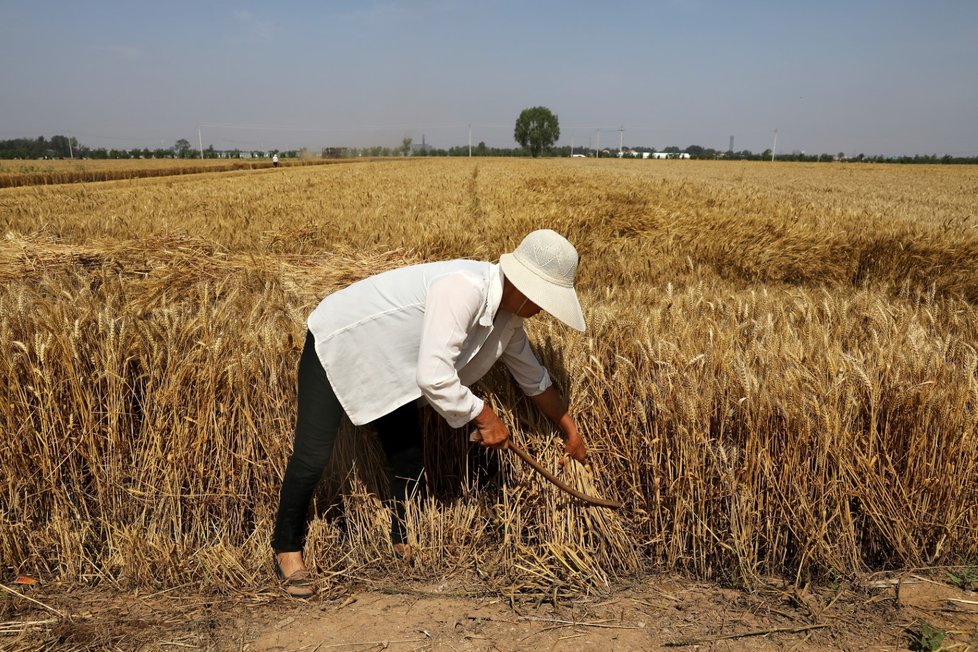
{"points": [[572, 147], [470, 140], [775, 147], [200, 143], [621, 141]]}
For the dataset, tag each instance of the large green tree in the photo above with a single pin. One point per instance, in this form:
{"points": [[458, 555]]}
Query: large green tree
{"points": [[536, 128], [182, 148]]}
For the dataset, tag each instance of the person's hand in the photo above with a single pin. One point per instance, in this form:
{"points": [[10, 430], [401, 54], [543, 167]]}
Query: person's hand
{"points": [[575, 447], [492, 431]]}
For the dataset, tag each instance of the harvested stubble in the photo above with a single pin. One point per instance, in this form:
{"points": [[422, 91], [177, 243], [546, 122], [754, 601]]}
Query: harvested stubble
{"points": [[76, 171], [774, 384]]}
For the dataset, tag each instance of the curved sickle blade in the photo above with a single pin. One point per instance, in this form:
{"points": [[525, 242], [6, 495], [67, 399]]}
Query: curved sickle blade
{"points": [[526, 457]]}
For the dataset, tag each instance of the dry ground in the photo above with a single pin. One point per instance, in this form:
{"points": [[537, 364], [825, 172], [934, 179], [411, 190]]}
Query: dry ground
{"points": [[882, 613]]}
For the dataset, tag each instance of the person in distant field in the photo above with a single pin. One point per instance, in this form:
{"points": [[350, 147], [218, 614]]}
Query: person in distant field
{"points": [[425, 331], [275, 160]]}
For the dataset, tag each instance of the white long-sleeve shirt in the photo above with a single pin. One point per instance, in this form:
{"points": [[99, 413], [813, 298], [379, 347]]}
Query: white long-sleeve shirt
{"points": [[427, 330]]}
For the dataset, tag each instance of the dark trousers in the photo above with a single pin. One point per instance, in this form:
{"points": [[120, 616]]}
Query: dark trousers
{"points": [[317, 423]]}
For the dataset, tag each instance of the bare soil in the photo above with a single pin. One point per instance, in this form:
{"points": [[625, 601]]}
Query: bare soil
{"points": [[911, 611]]}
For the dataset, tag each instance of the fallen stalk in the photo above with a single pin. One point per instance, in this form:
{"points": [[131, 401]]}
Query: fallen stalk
{"points": [[577, 623], [755, 632], [30, 599]]}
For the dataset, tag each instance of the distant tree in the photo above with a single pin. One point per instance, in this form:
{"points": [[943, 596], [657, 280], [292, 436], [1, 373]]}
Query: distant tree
{"points": [[536, 128], [696, 151], [406, 146], [63, 146], [182, 148]]}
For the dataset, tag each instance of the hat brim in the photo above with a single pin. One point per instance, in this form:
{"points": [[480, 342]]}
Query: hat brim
{"points": [[561, 302]]}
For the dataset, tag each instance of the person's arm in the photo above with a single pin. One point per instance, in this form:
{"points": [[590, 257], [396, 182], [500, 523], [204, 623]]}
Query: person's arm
{"points": [[492, 431], [451, 310], [552, 405], [534, 380]]}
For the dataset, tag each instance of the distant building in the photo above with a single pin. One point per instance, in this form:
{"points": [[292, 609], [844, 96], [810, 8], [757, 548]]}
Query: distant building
{"points": [[422, 149], [670, 155], [633, 153]]}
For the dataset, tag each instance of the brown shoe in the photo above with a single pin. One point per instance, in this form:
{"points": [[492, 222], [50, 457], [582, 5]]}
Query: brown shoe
{"points": [[404, 552], [298, 585]]}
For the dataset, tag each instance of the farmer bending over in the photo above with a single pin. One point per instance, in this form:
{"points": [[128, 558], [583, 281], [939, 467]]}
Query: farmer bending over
{"points": [[431, 331]]}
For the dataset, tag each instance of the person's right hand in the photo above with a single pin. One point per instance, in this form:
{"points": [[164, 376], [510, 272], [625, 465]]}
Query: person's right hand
{"points": [[492, 431]]}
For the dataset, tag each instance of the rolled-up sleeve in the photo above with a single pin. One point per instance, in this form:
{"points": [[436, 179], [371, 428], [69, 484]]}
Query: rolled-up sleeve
{"points": [[532, 377], [452, 309]]}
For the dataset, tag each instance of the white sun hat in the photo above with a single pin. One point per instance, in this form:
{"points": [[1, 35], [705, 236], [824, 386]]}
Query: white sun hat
{"points": [[543, 269]]}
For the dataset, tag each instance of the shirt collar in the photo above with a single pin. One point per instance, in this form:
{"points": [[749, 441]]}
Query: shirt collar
{"points": [[494, 296]]}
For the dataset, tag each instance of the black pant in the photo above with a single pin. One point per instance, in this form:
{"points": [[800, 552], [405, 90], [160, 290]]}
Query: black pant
{"points": [[317, 423]]}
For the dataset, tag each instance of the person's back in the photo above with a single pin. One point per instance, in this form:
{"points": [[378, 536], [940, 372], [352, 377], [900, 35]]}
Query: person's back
{"points": [[377, 324], [403, 290]]}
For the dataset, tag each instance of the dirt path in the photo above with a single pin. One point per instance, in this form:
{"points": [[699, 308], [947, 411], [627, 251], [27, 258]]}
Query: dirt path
{"points": [[628, 621], [658, 613]]}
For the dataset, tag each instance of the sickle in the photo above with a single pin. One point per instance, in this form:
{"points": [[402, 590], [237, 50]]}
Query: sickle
{"points": [[526, 457]]}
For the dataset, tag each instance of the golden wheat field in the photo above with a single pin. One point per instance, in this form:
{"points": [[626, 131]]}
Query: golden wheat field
{"points": [[779, 376], [37, 172]]}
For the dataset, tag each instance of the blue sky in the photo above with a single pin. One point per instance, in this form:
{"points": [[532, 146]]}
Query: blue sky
{"points": [[877, 77]]}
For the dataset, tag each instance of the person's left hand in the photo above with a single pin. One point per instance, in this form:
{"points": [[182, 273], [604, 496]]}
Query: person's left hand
{"points": [[575, 447]]}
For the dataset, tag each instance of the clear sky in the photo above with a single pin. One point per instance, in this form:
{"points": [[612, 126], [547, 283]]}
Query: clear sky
{"points": [[875, 76]]}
